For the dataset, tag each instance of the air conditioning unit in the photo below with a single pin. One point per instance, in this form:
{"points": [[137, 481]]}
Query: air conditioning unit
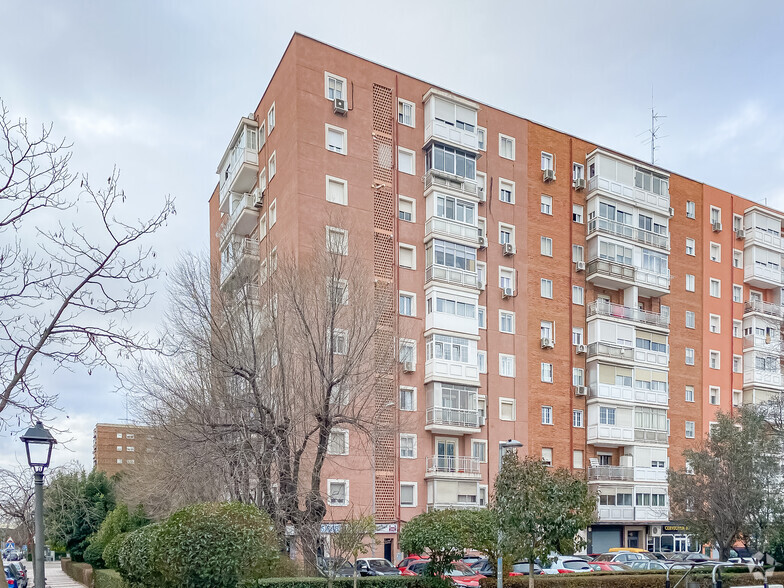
{"points": [[547, 343], [482, 420], [339, 106], [408, 367], [579, 184], [509, 249], [581, 348], [581, 390], [258, 201], [579, 266], [480, 284], [548, 175], [507, 292], [672, 212], [480, 191], [740, 234], [716, 227], [656, 530]]}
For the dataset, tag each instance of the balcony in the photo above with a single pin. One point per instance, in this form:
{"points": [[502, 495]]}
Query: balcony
{"points": [[610, 435], [239, 167], [633, 513], [453, 506], [453, 230], [245, 251], [652, 283], [451, 275], [628, 394], [462, 186], [760, 275], [611, 351], [448, 421], [647, 474], [242, 220], [760, 377], [657, 358], [657, 202], [606, 473], [616, 229], [603, 308], [442, 466], [766, 308], [768, 344], [761, 237], [448, 133], [650, 436], [248, 293], [611, 274], [451, 371]]}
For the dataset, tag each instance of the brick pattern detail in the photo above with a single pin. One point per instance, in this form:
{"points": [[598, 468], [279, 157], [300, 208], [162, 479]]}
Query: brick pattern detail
{"points": [[383, 267]]}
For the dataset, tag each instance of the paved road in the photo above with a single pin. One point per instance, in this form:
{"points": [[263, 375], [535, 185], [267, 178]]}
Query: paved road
{"points": [[55, 576]]}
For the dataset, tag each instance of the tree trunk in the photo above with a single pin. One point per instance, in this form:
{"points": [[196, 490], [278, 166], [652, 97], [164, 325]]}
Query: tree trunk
{"points": [[530, 573]]}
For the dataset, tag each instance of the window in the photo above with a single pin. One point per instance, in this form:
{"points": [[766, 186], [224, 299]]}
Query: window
{"points": [[481, 184], [506, 278], [737, 258], [578, 171], [129, 448], [737, 397], [406, 209], [506, 409], [737, 364], [737, 293], [506, 146], [546, 330], [458, 210], [119, 460], [714, 360], [547, 415], [714, 394], [273, 260], [690, 319], [690, 209], [338, 442], [548, 161], [129, 436], [334, 86], [689, 356], [119, 435], [715, 215], [606, 415], [408, 448], [340, 342], [337, 492], [481, 138], [690, 429], [715, 288], [547, 456], [453, 161], [737, 222], [715, 323], [272, 164], [689, 393], [506, 191], [262, 135], [336, 139], [119, 447], [737, 329], [578, 377], [406, 162], [406, 303], [577, 459], [407, 256], [546, 288], [577, 419], [407, 349], [689, 283], [715, 252], [506, 321], [130, 461], [337, 240], [407, 398], [271, 124], [547, 204], [481, 361], [273, 213], [506, 365], [690, 247], [479, 450], [408, 494], [337, 191], [578, 253], [406, 112], [505, 234], [547, 373], [578, 295], [546, 246], [577, 213], [481, 316]]}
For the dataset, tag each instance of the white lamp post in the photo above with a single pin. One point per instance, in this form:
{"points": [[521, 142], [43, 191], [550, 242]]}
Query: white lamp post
{"points": [[502, 447]]}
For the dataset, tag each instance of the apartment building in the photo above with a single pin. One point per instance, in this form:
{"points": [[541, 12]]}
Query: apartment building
{"points": [[117, 448], [593, 307]]}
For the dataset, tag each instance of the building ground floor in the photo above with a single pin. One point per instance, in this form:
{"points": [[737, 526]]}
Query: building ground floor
{"points": [[669, 536]]}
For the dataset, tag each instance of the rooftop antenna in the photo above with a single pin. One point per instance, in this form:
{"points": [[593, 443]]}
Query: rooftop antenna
{"points": [[653, 133]]}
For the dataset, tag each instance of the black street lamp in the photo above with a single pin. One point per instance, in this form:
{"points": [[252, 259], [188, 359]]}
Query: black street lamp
{"points": [[38, 444]]}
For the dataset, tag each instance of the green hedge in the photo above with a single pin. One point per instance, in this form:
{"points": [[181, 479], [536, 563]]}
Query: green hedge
{"points": [[730, 577], [108, 579], [79, 571], [369, 582]]}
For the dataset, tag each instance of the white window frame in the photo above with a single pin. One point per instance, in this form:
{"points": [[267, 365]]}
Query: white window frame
{"points": [[735, 289], [691, 246], [578, 214], [691, 320], [481, 311], [690, 283], [714, 323], [481, 361], [481, 142], [332, 482], [546, 372], [717, 282], [578, 415], [338, 247], [737, 258], [578, 376], [545, 452], [271, 121], [341, 131], [413, 160], [414, 486], [547, 415], [412, 296], [503, 227], [402, 102], [501, 314], [272, 213], [502, 182], [337, 78], [578, 171], [546, 288], [548, 157], [405, 343], [687, 356], [413, 391], [501, 358], [501, 138], [578, 295], [345, 434], [686, 429], [717, 354], [691, 209], [479, 442], [340, 181], [714, 394], [506, 272], [578, 464], [502, 401], [737, 328], [546, 204], [737, 364], [689, 393], [409, 436], [410, 201], [546, 246], [715, 211], [272, 165], [717, 248], [412, 249]]}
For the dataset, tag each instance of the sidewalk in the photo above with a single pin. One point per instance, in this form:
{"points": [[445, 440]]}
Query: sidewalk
{"points": [[55, 577]]}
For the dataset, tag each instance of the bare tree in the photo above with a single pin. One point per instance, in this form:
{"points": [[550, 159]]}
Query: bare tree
{"points": [[17, 499], [71, 271], [270, 360]]}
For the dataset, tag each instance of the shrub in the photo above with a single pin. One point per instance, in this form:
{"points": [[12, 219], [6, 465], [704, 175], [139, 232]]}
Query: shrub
{"points": [[111, 551], [93, 555], [79, 571], [629, 580], [136, 557], [216, 545], [366, 582], [108, 579]]}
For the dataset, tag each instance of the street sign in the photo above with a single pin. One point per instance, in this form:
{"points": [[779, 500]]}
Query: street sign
{"points": [[9, 544]]}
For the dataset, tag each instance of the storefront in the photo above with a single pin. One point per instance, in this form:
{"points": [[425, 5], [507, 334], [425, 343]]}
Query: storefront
{"points": [[669, 537]]}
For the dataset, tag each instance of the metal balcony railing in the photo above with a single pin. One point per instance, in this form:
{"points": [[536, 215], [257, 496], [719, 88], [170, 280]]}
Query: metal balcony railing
{"points": [[462, 465], [453, 417], [611, 473], [604, 225], [764, 307], [604, 308], [610, 269], [610, 350]]}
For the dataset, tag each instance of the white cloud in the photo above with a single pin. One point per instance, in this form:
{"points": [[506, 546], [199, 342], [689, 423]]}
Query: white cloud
{"points": [[746, 119]]}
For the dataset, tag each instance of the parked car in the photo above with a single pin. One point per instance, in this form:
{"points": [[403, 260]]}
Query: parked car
{"points": [[409, 559], [21, 571], [521, 568], [332, 566], [689, 556], [625, 557], [460, 574], [376, 566], [484, 568], [608, 566], [470, 560], [564, 565], [650, 565], [10, 577]]}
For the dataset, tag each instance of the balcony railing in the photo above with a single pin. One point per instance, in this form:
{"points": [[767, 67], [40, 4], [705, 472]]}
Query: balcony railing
{"points": [[771, 343], [604, 225], [764, 307], [249, 293], [659, 281], [243, 218], [757, 236], [610, 269], [451, 275], [453, 506], [437, 178], [459, 467], [633, 513], [445, 227], [610, 350], [763, 276], [611, 473], [244, 249], [604, 308], [650, 436], [453, 417], [629, 394], [754, 376]]}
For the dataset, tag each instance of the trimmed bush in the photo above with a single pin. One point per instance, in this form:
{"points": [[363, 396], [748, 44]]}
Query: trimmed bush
{"points": [[79, 571], [111, 551], [216, 545], [367, 582], [136, 557], [108, 579], [93, 555]]}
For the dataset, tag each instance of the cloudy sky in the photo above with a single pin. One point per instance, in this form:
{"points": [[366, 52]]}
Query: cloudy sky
{"points": [[156, 87]]}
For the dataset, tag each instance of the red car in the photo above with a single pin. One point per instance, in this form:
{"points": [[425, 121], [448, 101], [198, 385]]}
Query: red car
{"points": [[406, 561], [608, 566], [460, 574]]}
